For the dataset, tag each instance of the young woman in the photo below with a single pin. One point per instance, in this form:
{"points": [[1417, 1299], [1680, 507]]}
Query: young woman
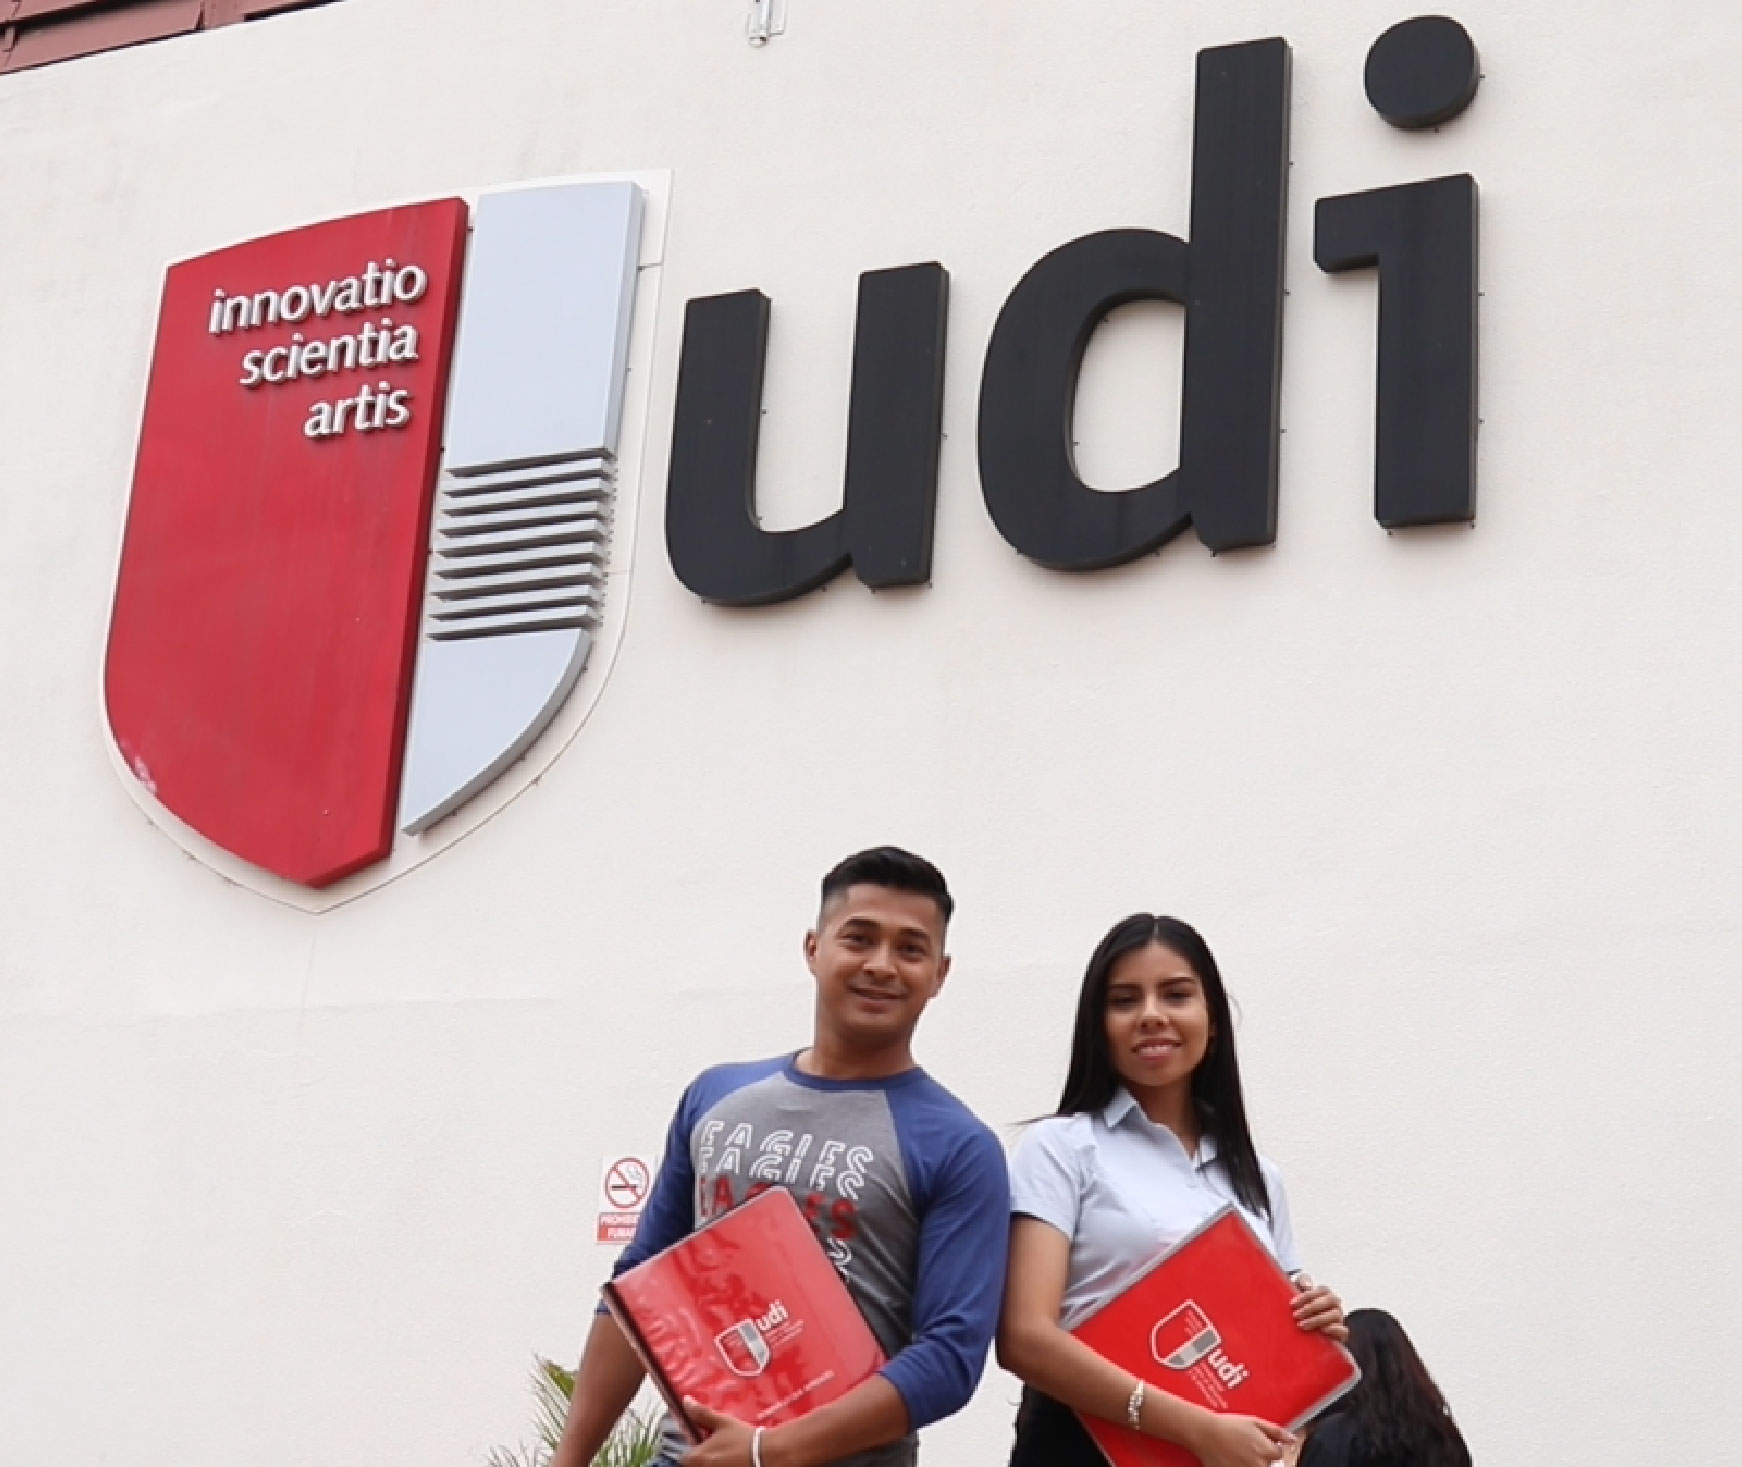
{"points": [[1396, 1416], [1149, 1140]]}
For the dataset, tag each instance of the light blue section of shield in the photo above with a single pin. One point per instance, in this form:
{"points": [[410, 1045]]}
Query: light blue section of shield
{"points": [[520, 542]]}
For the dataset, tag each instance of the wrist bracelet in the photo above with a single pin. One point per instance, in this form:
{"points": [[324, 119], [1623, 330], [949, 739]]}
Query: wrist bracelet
{"points": [[1133, 1409], [756, 1446]]}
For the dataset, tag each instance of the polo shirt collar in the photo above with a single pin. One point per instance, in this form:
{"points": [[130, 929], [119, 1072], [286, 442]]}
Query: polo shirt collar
{"points": [[1120, 1106], [1124, 1105]]}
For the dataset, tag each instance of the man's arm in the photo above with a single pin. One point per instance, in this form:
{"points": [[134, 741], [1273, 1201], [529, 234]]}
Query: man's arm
{"points": [[869, 1415], [610, 1373], [959, 1281]]}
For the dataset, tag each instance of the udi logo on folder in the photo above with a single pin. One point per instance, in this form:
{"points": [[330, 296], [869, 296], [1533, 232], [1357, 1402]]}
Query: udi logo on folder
{"points": [[1211, 1321], [748, 1316], [749, 1345], [1183, 1337]]}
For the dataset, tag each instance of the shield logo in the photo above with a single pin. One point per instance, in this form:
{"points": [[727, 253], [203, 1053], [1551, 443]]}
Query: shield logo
{"points": [[744, 1349], [1183, 1336], [368, 535]]}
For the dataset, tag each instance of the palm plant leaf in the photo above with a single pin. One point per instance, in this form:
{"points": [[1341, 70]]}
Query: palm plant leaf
{"points": [[634, 1443]]}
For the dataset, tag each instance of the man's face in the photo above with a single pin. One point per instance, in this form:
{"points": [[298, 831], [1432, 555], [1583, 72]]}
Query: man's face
{"points": [[878, 958]]}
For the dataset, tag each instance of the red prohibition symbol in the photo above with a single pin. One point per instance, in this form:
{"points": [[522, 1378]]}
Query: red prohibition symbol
{"points": [[627, 1183]]}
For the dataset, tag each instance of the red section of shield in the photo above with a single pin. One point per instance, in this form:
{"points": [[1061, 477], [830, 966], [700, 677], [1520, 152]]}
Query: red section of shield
{"points": [[260, 653]]}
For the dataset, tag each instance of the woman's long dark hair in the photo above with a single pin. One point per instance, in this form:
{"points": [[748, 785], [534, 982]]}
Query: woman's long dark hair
{"points": [[1216, 1097], [1396, 1413]]}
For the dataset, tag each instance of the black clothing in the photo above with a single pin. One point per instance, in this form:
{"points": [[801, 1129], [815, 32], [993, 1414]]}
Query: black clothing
{"points": [[1331, 1443], [1050, 1434]]}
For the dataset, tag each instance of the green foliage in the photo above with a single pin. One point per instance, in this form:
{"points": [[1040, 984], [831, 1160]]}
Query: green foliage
{"points": [[635, 1442]]}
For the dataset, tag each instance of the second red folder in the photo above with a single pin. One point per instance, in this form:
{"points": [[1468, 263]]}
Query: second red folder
{"points": [[1212, 1322], [748, 1316]]}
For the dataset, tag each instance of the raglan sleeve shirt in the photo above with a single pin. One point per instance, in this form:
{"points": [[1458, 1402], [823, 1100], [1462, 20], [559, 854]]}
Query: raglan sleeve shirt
{"points": [[964, 1238], [908, 1190]]}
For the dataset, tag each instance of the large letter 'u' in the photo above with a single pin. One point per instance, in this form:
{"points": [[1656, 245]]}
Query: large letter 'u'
{"points": [[895, 412]]}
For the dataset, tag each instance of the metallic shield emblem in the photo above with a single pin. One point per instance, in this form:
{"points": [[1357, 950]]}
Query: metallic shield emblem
{"points": [[314, 639], [519, 558]]}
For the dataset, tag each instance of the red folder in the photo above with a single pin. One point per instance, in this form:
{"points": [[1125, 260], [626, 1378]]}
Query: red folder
{"points": [[1211, 1320], [746, 1315]]}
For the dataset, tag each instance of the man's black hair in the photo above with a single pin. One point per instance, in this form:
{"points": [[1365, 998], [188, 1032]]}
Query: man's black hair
{"points": [[891, 867]]}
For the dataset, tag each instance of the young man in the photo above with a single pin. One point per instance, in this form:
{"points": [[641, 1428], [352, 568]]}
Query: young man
{"points": [[906, 1189]]}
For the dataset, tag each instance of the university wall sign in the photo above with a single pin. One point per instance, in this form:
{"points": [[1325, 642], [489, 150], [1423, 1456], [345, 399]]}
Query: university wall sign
{"points": [[1227, 277], [367, 548]]}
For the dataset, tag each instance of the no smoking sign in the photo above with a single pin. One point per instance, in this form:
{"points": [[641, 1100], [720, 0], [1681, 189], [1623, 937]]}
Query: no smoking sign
{"points": [[624, 1182]]}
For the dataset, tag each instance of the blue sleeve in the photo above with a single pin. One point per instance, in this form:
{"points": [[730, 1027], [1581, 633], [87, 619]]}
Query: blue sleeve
{"points": [[670, 1214], [964, 1235]]}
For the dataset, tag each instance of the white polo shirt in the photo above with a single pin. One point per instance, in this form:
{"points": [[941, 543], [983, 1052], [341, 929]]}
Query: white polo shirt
{"points": [[1123, 1189]]}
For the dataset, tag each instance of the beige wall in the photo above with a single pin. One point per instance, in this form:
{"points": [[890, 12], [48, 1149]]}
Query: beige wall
{"points": [[1458, 809]]}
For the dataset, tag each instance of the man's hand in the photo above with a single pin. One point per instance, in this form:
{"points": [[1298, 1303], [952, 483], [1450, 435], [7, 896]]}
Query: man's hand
{"points": [[727, 1443], [1239, 1441], [1317, 1308]]}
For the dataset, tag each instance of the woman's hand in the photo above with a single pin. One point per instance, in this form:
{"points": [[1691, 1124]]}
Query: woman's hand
{"points": [[1317, 1308], [1238, 1441]]}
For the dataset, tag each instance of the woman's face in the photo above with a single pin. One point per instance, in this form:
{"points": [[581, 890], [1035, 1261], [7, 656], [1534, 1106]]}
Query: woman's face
{"points": [[1158, 1019]]}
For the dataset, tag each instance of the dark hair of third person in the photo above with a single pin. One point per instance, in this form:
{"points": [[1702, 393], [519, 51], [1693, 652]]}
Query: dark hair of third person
{"points": [[1396, 1413], [1216, 1097]]}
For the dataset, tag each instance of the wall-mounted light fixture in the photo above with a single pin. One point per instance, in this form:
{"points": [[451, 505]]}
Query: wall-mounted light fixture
{"points": [[767, 19]]}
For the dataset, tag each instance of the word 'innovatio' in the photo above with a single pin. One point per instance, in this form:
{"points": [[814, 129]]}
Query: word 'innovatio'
{"points": [[370, 346]]}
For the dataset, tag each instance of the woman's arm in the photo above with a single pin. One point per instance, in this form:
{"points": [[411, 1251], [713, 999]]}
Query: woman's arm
{"points": [[1032, 1345], [1315, 1306]]}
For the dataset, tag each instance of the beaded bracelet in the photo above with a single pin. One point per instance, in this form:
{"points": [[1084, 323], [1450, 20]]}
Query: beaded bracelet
{"points": [[1133, 1409]]}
